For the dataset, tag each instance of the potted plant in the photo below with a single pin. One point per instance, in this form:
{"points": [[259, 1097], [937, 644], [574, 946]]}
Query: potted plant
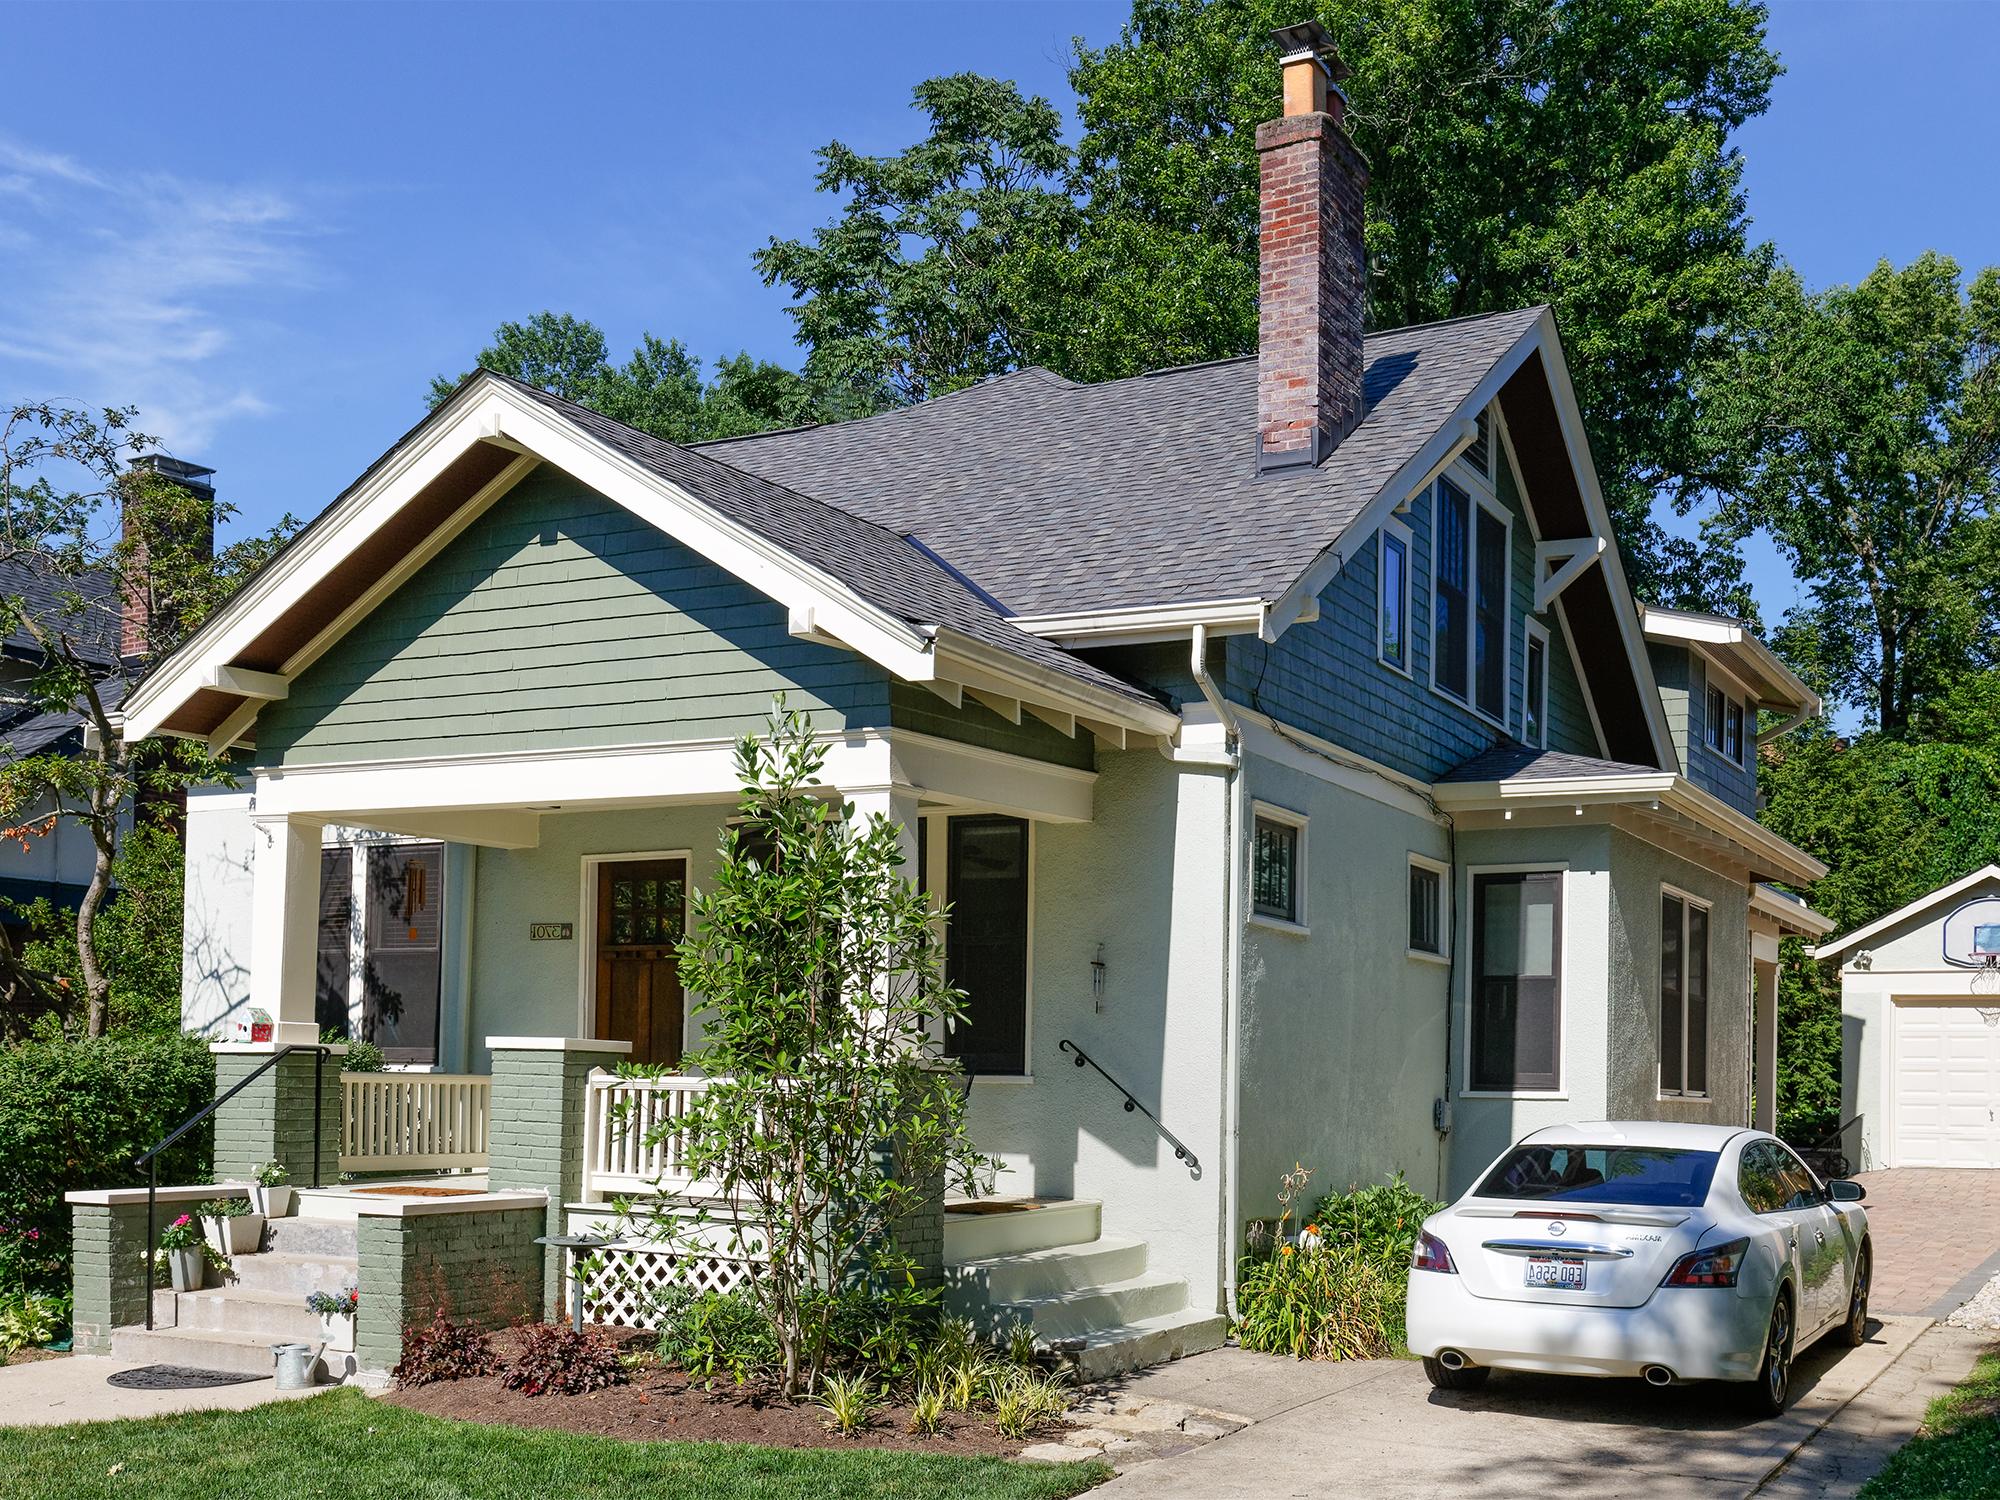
{"points": [[181, 1243], [232, 1229], [271, 1192], [336, 1316]]}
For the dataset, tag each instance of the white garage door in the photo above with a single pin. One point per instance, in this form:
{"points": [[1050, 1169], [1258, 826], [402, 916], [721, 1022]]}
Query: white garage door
{"points": [[1947, 1086]]}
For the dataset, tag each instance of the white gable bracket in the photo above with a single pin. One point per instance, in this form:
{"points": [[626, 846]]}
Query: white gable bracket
{"points": [[1570, 558]]}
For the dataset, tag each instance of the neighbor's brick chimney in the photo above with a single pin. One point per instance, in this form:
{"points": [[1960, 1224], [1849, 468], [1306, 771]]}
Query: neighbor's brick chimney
{"points": [[1312, 278], [136, 609]]}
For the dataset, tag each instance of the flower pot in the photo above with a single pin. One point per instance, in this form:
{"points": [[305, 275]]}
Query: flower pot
{"points": [[184, 1269], [336, 1331], [235, 1234], [271, 1202]]}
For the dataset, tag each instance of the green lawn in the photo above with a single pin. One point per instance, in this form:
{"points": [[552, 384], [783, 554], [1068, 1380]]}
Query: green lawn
{"points": [[1957, 1455], [343, 1444]]}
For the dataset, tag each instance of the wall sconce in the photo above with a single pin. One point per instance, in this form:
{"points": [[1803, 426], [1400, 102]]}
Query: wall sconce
{"points": [[1097, 981]]}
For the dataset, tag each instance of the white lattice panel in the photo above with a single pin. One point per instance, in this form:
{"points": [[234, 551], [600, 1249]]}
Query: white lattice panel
{"points": [[620, 1291]]}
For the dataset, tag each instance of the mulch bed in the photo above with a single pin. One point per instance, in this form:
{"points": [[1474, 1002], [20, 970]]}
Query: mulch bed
{"points": [[24, 1356], [665, 1404]]}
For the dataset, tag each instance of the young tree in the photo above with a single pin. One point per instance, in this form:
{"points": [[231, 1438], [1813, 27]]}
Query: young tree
{"points": [[87, 540], [831, 1118], [1861, 427]]}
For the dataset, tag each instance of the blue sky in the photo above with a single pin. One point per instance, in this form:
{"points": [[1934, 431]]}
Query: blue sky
{"points": [[270, 225]]}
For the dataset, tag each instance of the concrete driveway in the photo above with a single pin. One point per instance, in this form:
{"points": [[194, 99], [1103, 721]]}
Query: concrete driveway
{"points": [[1937, 1236], [1376, 1428]]}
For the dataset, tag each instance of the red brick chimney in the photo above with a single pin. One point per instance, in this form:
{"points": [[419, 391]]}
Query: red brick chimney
{"points": [[1312, 280]]}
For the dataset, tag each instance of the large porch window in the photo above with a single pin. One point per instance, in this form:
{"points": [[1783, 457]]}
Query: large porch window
{"points": [[1683, 995], [1517, 982], [380, 979], [986, 947]]}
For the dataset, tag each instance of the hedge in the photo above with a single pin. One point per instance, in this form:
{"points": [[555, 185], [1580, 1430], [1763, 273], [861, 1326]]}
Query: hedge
{"points": [[76, 1114]]}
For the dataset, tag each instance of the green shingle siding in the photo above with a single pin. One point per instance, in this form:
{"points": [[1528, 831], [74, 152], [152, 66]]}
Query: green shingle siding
{"points": [[481, 1267], [272, 1119], [560, 619]]}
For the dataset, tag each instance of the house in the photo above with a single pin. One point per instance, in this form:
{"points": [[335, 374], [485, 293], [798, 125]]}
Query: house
{"points": [[1920, 1030], [1304, 779]]}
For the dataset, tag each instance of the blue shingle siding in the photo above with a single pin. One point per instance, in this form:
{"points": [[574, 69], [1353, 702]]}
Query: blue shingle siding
{"points": [[1323, 676], [560, 619], [1710, 769]]}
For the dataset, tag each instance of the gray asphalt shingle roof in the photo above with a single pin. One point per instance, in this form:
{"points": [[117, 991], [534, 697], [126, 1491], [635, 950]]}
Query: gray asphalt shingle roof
{"points": [[1522, 763], [1054, 496], [94, 628]]}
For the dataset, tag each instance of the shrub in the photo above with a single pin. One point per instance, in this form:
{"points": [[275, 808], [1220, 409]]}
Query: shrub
{"points": [[850, 1402], [28, 1319], [569, 1361], [1334, 1302], [1380, 1221], [76, 1114], [362, 1057], [717, 1333], [927, 1412], [444, 1351]]}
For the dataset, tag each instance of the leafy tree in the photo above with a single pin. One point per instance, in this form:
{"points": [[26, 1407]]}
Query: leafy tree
{"points": [[830, 1119], [659, 389], [1521, 151], [1861, 427], [91, 532]]}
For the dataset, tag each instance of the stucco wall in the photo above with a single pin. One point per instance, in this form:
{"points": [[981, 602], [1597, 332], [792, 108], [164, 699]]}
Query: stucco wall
{"points": [[215, 921], [1146, 880], [1343, 1032]]}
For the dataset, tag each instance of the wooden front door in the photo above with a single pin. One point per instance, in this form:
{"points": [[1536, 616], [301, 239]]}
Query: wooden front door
{"points": [[640, 908]]}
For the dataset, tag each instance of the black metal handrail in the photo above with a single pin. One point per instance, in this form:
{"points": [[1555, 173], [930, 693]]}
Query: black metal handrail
{"points": [[1828, 1155], [1181, 1152], [150, 1161]]}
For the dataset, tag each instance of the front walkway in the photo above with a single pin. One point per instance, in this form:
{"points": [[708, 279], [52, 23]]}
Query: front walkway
{"points": [[1937, 1236], [47, 1392]]}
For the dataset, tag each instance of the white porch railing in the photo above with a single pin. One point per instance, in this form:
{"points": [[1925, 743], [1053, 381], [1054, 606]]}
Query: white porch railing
{"points": [[416, 1121], [621, 1153]]}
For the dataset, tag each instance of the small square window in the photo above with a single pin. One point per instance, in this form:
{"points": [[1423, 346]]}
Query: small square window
{"points": [[1274, 870], [1426, 909]]}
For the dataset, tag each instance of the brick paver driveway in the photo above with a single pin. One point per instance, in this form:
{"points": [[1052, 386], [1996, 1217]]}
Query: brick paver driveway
{"points": [[1936, 1234]]}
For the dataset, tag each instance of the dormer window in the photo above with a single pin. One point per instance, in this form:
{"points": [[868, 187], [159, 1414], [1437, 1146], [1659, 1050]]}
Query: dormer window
{"points": [[1732, 731]]}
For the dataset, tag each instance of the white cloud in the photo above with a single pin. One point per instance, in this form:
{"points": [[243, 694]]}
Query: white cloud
{"points": [[147, 290]]}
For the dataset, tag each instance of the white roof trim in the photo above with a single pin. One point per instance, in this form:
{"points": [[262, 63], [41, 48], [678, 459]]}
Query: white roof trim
{"points": [[1741, 653], [1144, 623], [1789, 912], [1902, 913]]}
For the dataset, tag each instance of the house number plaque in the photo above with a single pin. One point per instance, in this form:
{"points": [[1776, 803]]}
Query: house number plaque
{"points": [[551, 932]]}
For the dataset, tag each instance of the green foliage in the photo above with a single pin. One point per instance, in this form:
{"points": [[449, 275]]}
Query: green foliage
{"points": [[1328, 1302], [75, 1115], [1380, 1221], [1958, 1450], [273, 1174], [824, 984], [362, 1056], [444, 1350], [660, 389], [716, 1334], [558, 1357], [927, 1412], [29, 1320], [850, 1402], [183, 1232]]}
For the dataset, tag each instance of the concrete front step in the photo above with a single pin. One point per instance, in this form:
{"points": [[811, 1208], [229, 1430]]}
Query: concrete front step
{"points": [[311, 1236], [1082, 1313], [1018, 1231], [1150, 1341], [198, 1348], [278, 1271], [975, 1284], [278, 1317]]}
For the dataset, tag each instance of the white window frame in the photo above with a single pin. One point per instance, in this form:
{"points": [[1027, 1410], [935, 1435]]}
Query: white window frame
{"points": [[1442, 871], [1533, 632], [1301, 923], [1467, 979], [586, 937], [1480, 489], [1394, 530], [1687, 899]]}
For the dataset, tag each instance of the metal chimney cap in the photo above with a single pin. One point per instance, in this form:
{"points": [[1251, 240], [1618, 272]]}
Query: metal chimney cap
{"points": [[1310, 39]]}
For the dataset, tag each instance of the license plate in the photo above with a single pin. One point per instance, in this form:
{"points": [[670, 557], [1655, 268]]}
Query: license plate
{"points": [[1564, 1275]]}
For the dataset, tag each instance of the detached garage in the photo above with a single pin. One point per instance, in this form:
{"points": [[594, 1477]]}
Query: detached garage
{"points": [[1920, 1008]]}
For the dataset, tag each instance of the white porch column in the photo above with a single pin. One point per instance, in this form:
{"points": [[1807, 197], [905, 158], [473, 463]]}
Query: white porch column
{"points": [[1765, 1052], [284, 935], [898, 804]]}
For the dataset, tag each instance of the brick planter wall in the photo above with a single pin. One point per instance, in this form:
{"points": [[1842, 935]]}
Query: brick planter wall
{"points": [[477, 1260], [109, 1283], [272, 1119]]}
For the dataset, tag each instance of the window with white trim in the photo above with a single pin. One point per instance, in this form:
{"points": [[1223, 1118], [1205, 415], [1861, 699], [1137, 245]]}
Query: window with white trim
{"points": [[1516, 1040], [1684, 964], [1277, 866], [1469, 544], [1427, 879], [1535, 696], [1712, 719], [1392, 644], [1732, 731]]}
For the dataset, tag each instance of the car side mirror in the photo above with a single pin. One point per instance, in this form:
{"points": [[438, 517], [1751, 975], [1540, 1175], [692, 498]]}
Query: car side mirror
{"points": [[1840, 1190]]}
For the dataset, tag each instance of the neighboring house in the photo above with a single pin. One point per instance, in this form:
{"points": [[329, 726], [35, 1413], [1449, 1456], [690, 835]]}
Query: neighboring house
{"points": [[1282, 731], [1920, 1030]]}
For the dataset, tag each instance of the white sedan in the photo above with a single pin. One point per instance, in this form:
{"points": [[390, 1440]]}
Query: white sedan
{"points": [[1634, 1248]]}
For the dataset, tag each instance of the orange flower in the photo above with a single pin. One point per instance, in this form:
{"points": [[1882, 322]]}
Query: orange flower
{"points": [[1284, 1250]]}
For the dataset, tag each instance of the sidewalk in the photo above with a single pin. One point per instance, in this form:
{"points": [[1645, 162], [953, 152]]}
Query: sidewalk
{"points": [[46, 1392]]}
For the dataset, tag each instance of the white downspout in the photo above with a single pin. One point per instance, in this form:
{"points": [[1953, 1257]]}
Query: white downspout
{"points": [[1232, 987]]}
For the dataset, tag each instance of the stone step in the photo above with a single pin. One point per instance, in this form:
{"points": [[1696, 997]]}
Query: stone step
{"points": [[278, 1271], [278, 1317], [1150, 1341], [199, 1349], [1040, 1226], [1086, 1311], [974, 1284], [309, 1236]]}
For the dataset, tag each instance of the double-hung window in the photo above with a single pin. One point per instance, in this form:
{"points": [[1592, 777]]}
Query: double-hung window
{"points": [[1684, 962], [1469, 600], [1392, 644], [1711, 727], [1516, 1040], [1732, 731], [1535, 698]]}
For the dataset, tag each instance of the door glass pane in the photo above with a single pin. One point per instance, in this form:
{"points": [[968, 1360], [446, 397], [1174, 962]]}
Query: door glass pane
{"points": [[986, 952], [1451, 589], [1670, 994], [1490, 649], [1760, 1179], [1517, 1008], [1532, 727], [1697, 1000], [1395, 593]]}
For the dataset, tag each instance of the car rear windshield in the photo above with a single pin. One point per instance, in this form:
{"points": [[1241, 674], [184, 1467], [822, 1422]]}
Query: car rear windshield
{"points": [[1645, 1176]]}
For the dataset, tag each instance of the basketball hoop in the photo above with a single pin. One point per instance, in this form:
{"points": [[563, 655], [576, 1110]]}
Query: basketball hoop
{"points": [[1986, 983]]}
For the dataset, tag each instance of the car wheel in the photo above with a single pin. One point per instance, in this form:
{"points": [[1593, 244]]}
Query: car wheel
{"points": [[1773, 1385], [1854, 1333], [1464, 1378]]}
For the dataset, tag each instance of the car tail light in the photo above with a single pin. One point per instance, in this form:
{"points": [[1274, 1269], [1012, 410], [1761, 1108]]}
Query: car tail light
{"points": [[1432, 1255], [1718, 1265]]}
